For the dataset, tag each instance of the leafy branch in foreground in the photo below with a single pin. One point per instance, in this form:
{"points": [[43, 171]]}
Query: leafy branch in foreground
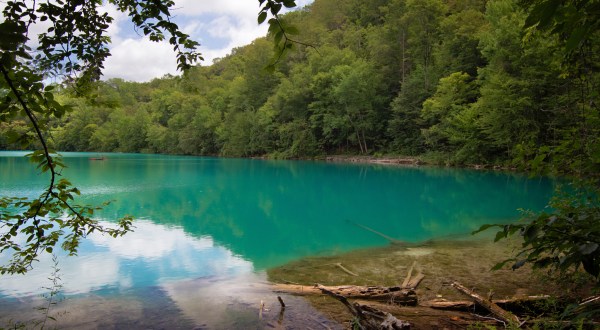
{"points": [[278, 28], [46, 219], [74, 46], [569, 237]]}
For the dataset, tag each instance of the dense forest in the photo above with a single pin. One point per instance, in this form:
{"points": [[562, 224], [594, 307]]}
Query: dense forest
{"points": [[457, 82]]}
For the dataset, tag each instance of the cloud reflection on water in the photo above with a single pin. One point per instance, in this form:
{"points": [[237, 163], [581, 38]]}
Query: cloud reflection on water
{"points": [[156, 276], [150, 256]]}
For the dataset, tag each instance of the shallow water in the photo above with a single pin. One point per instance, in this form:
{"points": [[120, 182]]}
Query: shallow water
{"points": [[205, 226]]}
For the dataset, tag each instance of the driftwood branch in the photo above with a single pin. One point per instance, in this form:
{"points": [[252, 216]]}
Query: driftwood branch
{"points": [[261, 309], [414, 282], [281, 302], [448, 305], [502, 314], [368, 317], [346, 270], [390, 239], [468, 304], [590, 300], [408, 276], [395, 295], [411, 282], [281, 311], [380, 319]]}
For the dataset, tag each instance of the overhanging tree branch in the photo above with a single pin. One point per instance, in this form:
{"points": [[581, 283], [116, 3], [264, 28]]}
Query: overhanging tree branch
{"points": [[76, 43]]}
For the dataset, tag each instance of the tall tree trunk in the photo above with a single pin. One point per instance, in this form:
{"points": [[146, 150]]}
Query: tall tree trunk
{"points": [[359, 141], [365, 142], [403, 43]]}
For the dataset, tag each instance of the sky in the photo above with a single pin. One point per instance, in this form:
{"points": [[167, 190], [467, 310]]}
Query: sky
{"points": [[218, 25]]}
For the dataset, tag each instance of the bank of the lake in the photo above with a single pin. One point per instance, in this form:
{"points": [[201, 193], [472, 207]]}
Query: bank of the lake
{"points": [[421, 160], [467, 260]]}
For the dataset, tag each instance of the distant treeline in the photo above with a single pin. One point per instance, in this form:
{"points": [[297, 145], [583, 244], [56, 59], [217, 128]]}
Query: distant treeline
{"points": [[454, 81]]}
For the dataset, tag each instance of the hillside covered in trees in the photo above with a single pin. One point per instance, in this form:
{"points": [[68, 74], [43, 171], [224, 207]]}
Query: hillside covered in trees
{"points": [[455, 81]]}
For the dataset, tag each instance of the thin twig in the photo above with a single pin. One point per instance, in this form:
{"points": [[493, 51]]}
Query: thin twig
{"points": [[287, 40]]}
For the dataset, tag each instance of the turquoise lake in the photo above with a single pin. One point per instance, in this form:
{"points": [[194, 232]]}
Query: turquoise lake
{"points": [[213, 224]]}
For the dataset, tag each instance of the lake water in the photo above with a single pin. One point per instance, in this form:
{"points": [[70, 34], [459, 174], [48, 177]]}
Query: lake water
{"points": [[208, 228]]}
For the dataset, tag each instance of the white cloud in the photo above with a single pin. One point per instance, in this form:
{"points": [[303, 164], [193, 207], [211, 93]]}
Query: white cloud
{"points": [[238, 8], [219, 26], [230, 7], [237, 32], [135, 59], [140, 60], [118, 18]]}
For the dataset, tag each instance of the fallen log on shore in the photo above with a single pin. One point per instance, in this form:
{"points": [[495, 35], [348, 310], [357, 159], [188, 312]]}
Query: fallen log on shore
{"points": [[368, 317], [395, 295], [509, 304], [503, 315]]}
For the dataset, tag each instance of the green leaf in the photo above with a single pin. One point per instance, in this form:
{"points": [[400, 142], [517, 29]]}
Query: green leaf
{"points": [[289, 3], [12, 35], [542, 14], [483, 228], [292, 30], [531, 232], [262, 17], [500, 235], [275, 9], [544, 262], [576, 38], [519, 264], [278, 36], [500, 265], [588, 248]]}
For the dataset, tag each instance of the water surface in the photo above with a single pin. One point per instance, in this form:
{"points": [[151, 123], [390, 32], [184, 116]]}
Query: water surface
{"points": [[207, 223]]}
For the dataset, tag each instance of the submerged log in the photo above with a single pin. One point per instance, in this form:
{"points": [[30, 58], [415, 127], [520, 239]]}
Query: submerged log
{"points": [[395, 295], [502, 314], [390, 239], [409, 275], [412, 282], [344, 269]]}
